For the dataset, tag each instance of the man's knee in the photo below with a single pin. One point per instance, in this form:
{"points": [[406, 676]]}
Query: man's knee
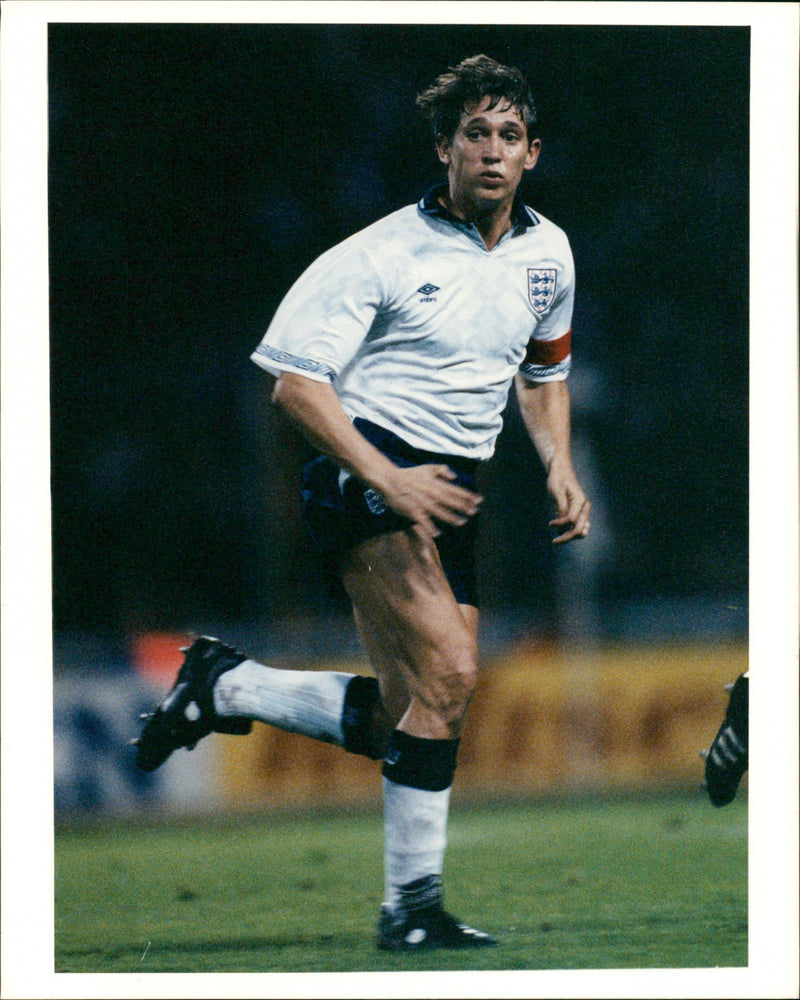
{"points": [[448, 690]]}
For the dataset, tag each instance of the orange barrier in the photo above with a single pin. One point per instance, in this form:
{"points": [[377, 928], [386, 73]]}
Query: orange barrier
{"points": [[157, 657], [542, 720]]}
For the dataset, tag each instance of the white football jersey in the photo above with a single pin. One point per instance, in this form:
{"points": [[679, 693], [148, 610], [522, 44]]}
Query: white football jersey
{"points": [[421, 329]]}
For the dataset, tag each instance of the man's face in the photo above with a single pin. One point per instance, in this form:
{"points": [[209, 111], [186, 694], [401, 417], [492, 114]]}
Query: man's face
{"points": [[487, 155]]}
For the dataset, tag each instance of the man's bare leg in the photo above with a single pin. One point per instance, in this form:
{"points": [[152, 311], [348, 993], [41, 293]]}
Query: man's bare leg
{"points": [[423, 647], [422, 643]]}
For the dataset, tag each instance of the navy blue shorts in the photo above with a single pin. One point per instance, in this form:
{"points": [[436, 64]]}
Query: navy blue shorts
{"points": [[339, 519]]}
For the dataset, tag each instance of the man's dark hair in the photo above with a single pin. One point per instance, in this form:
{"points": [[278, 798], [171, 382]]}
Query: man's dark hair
{"points": [[464, 86]]}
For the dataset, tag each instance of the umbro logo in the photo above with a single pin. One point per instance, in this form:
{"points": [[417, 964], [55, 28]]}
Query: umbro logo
{"points": [[427, 291]]}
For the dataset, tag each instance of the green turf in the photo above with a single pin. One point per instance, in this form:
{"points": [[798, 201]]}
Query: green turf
{"points": [[564, 885]]}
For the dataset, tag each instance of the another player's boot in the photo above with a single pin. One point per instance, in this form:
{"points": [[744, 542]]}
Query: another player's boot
{"points": [[419, 922], [187, 713], [727, 758]]}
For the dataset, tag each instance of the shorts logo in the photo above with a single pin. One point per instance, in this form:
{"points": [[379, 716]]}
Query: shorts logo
{"points": [[541, 287], [427, 291], [374, 501]]}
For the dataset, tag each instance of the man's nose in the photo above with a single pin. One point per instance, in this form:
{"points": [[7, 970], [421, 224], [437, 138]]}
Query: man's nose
{"points": [[491, 151]]}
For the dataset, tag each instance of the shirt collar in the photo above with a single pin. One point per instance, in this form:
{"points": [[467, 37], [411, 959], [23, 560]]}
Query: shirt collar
{"points": [[521, 215]]}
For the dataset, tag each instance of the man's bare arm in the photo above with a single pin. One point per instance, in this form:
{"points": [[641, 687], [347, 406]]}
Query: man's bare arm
{"points": [[545, 408]]}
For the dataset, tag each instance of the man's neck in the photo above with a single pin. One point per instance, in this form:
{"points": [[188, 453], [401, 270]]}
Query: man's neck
{"points": [[492, 221]]}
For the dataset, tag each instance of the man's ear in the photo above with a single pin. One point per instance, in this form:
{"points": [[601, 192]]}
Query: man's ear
{"points": [[443, 149], [533, 154]]}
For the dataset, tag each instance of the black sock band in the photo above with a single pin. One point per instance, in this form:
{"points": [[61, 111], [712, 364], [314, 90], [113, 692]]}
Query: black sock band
{"points": [[420, 763], [362, 700]]}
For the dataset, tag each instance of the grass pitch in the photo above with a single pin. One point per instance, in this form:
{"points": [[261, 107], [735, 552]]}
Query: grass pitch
{"points": [[660, 883]]}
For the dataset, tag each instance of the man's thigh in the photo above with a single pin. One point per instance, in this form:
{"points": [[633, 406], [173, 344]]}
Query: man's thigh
{"points": [[418, 638]]}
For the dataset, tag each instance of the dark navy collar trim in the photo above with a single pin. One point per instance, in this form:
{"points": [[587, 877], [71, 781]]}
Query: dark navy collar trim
{"points": [[521, 215]]}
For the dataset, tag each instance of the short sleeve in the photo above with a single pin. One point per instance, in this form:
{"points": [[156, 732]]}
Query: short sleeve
{"points": [[325, 316], [548, 357]]}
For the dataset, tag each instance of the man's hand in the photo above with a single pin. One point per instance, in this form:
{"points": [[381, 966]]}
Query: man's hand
{"points": [[426, 494], [572, 505]]}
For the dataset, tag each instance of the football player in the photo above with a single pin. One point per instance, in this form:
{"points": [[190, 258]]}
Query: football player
{"points": [[394, 354]]}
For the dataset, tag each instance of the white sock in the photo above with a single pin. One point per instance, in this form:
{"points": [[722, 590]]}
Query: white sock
{"points": [[299, 701], [415, 834]]}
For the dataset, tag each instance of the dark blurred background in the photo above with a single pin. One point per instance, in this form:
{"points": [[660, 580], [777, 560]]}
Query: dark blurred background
{"points": [[195, 170]]}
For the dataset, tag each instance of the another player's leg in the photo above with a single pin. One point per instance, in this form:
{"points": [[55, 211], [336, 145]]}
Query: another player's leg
{"points": [[219, 689], [413, 628], [727, 758]]}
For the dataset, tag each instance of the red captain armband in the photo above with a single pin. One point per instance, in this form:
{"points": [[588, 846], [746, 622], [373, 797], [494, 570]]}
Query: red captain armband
{"points": [[541, 353]]}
